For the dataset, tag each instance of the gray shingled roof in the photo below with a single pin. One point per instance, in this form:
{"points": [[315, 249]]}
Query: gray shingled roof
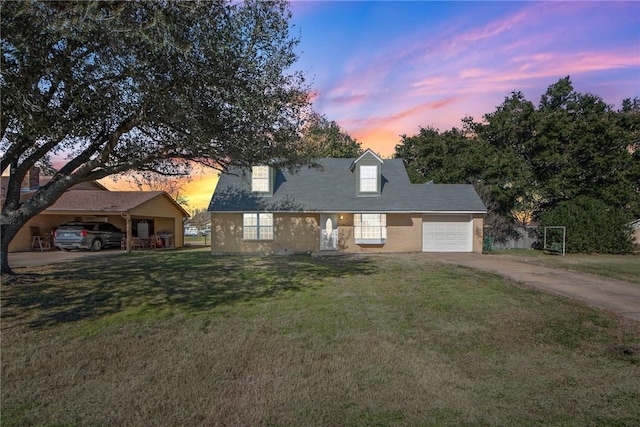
{"points": [[331, 187]]}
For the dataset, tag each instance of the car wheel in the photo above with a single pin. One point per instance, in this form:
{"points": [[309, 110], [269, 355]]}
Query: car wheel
{"points": [[96, 245]]}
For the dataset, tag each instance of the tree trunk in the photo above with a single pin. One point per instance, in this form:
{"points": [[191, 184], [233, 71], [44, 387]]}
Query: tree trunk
{"points": [[15, 215], [8, 231]]}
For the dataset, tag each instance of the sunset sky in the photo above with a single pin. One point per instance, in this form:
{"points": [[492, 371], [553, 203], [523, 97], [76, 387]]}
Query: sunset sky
{"points": [[383, 69]]}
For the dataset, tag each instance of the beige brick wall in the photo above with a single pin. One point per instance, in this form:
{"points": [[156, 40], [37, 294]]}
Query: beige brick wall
{"points": [[300, 233], [404, 234], [478, 232], [292, 233]]}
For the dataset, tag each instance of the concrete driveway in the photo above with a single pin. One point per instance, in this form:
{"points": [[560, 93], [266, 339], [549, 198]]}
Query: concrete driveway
{"points": [[615, 295]]}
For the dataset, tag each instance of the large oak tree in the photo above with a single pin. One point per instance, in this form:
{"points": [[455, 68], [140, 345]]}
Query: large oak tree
{"points": [[98, 88], [528, 160]]}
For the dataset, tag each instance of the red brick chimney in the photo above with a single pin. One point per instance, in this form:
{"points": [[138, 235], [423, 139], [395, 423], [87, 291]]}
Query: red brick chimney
{"points": [[32, 180]]}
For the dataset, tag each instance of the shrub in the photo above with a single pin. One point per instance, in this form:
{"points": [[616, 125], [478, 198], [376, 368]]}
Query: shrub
{"points": [[592, 226]]}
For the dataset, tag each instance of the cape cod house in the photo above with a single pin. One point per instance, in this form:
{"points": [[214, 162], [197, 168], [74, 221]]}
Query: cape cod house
{"points": [[346, 205]]}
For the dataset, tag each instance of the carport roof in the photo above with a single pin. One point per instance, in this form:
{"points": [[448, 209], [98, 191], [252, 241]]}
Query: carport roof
{"points": [[106, 201]]}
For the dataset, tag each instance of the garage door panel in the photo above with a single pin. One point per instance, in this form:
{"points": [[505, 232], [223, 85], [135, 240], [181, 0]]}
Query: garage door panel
{"points": [[446, 233]]}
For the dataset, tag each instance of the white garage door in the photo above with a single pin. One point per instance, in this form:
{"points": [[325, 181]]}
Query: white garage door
{"points": [[446, 233]]}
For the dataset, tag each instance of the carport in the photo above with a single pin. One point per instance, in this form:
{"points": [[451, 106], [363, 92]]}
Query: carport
{"points": [[139, 213]]}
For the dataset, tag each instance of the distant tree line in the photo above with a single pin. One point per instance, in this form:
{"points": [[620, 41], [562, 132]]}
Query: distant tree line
{"points": [[572, 153]]}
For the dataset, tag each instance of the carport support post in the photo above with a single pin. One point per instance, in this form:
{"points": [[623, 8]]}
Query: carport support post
{"points": [[127, 217]]}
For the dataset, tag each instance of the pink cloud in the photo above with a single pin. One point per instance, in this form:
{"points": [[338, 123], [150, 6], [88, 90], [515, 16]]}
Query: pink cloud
{"points": [[552, 66], [491, 30], [418, 109], [348, 100], [438, 77], [431, 81], [473, 73]]}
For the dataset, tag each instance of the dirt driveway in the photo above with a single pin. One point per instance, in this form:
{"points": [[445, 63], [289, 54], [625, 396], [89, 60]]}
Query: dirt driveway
{"points": [[35, 259], [615, 295]]}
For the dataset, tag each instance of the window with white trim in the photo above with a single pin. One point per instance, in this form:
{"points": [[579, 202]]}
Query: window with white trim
{"points": [[368, 179], [257, 226], [260, 179], [370, 228]]}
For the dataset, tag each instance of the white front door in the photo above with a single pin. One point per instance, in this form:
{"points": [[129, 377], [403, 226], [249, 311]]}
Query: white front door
{"points": [[328, 232]]}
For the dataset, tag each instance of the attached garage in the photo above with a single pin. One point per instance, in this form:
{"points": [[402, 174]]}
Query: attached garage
{"points": [[447, 233]]}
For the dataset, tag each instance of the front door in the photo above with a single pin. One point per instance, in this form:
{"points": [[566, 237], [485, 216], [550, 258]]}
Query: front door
{"points": [[328, 232]]}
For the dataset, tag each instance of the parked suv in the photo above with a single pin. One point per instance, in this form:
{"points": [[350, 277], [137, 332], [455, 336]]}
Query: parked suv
{"points": [[87, 235], [190, 231]]}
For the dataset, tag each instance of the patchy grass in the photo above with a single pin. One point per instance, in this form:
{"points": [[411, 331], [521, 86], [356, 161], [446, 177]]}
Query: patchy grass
{"points": [[197, 241], [621, 267], [183, 338]]}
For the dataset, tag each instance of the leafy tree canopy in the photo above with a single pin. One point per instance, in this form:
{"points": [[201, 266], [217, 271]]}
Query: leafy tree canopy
{"points": [[592, 226], [324, 138], [150, 86], [528, 159], [154, 181]]}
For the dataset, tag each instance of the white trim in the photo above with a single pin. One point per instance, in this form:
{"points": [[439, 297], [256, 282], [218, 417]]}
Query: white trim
{"points": [[359, 228], [369, 175], [260, 177], [258, 227], [367, 151]]}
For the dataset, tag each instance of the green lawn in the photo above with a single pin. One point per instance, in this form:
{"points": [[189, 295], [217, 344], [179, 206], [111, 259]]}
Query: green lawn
{"points": [[198, 240], [184, 338], [622, 267]]}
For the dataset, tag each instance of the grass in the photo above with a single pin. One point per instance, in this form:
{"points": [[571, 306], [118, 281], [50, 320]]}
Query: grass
{"points": [[621, 267], [198, 240], [183, 338]]}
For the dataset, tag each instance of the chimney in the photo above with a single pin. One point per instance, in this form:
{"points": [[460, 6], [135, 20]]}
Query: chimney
{"points": [[32, 180]]}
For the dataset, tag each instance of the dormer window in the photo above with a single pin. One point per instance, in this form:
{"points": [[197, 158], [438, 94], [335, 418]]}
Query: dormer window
{"points": [[368, 171], [368, 179], [260, 179]]}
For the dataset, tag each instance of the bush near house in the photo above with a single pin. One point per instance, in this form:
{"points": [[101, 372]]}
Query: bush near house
{"points": [[592, 226]]}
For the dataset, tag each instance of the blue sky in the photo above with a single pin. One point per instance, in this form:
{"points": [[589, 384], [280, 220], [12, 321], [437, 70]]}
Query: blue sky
{"points": [[382, 69]]}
